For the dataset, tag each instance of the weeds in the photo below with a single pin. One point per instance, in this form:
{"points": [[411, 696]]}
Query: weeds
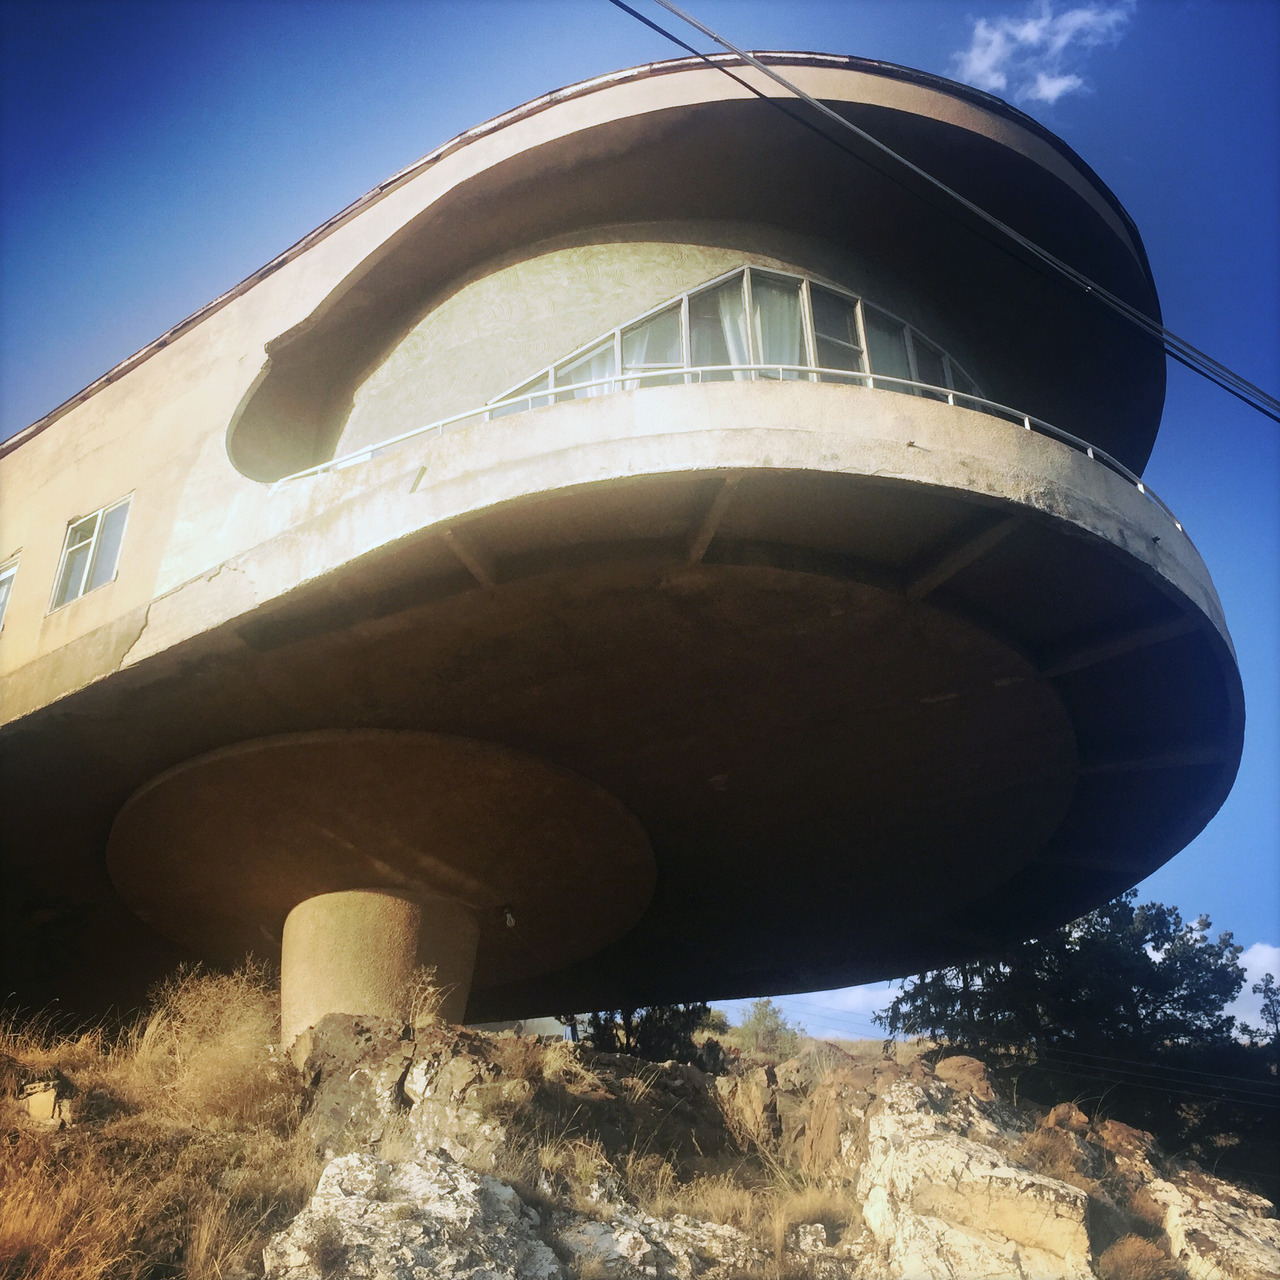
{"points": [[325, 1247], [187, 1147], [423, 998], [1056, 1154], [1133, 1258]]}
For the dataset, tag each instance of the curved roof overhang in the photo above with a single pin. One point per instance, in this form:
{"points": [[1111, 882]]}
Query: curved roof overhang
{"points": [[680, 141]]}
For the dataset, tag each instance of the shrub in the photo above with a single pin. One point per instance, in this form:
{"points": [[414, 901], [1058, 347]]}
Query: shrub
{"points": [[1133, 1258], [766, 1033], [186, 1151]]}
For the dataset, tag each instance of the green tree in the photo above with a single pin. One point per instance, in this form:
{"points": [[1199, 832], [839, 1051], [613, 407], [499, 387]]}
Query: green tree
{"points": [[766, 1032], [1125, 979], [658, 1032], [1270, 1028], [1125, 1009], [716, 1022]]}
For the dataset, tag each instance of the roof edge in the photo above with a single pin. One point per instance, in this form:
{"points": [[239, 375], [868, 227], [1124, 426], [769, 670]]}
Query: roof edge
{"points": [[852, 62]]}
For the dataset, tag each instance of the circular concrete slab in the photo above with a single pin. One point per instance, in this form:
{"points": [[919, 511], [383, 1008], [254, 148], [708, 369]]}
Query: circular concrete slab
{"points": [[216, 852]]}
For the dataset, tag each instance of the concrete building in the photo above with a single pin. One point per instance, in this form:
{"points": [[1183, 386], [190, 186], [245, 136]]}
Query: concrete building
{"points": [[642, 551]]}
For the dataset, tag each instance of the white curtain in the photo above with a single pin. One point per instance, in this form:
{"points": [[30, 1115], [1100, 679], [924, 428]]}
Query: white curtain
{"points": [[635, 350], [587, 368], [775, 307], [733, 324]]}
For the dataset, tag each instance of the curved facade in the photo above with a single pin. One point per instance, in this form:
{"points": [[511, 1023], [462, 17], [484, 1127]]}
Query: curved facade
{"points": [[657, 545]]}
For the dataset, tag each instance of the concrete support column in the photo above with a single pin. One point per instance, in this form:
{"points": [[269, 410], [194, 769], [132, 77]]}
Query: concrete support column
{"points": [[355, 952]]}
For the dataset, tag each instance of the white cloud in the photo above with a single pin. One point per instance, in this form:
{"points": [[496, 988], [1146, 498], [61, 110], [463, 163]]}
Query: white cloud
{"points": [[1259, 959], [1034, 54], [1049, 88]]}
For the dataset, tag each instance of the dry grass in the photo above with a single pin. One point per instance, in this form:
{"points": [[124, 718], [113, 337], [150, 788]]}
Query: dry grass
{"points": [[1146, 1209], [186, 1150], [732, 1197], [760, 1199], [1133, 1258], [423, 998], [1055, 1153], [835, 1207]]}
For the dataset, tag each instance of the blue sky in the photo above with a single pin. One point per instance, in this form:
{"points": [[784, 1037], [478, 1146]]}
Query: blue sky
{"points": [[154, 154]]}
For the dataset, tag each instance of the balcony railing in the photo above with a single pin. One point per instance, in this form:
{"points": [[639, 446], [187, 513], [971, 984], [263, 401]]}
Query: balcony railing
{"points": [[635, 379]]}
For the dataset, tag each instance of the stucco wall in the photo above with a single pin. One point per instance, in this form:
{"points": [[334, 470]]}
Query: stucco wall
{"points": [[515, 316]]}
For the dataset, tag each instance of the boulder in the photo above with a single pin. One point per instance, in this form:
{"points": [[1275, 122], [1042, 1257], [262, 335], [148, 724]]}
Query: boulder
{"points": [[967, 1074], [47, 1102], [939, 1203], [432, 1216]]}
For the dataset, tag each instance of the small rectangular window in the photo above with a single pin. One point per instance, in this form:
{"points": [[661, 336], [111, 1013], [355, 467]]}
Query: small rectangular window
{"points": [[887, 347], [90, 553], [7, 574], [835, 329]]}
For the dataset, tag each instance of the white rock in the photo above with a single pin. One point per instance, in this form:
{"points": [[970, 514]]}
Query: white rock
{"points": [[427, 1218], [941, 1204], [1217, 1231]]}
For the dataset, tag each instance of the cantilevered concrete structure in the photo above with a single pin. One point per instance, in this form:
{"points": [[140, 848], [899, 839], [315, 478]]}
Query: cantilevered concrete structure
{"points": [[642, 551]]}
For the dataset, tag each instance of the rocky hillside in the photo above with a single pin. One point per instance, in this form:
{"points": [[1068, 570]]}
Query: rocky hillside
{"points": [[453, 1153]]}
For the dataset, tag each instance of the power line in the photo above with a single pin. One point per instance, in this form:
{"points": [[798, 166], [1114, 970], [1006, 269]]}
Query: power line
{"points": [[1177, 348], [1214, 1086], [1160, 1066]]}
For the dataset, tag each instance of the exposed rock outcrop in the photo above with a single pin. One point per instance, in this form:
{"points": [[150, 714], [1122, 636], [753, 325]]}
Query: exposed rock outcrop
{"points": [[460, 1154]]}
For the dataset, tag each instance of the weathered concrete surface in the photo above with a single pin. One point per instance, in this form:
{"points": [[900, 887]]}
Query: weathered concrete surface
{"points": [[357, 950], [534, 864]]}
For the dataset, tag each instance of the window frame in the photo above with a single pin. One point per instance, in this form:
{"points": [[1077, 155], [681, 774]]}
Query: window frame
{"points": [[864, 376], [8, 572], [91, 562]]}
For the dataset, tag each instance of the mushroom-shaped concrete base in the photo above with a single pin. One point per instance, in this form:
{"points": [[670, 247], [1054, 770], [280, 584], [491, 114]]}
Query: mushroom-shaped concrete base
{"points": [[357, 951], [383, 850]]}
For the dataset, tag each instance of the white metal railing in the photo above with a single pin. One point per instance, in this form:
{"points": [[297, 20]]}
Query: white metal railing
{"points": [[673, 376]]}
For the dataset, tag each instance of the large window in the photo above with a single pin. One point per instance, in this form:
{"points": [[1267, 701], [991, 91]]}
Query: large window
{"points": [[90, 553], [7, 574], [751, 324]]}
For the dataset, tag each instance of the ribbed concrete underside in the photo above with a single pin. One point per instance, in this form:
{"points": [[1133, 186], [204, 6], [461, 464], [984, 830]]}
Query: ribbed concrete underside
{"points": [[855, 750]]}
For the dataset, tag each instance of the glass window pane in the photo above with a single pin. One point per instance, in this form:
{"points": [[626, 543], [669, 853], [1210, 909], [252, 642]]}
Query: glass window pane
{"points": [[961, 380], [929, 366], [82, 530], [718, 329], [6, 586], [654, 344], [838, 355], [835, 325], [72, 581], [834, 317], [928, 362], [541, 383], [887, 347], [107, 553], [596, 363], [776, 324]]}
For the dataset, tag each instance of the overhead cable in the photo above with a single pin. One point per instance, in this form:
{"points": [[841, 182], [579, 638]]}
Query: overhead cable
{"points": [[1176, 348]]}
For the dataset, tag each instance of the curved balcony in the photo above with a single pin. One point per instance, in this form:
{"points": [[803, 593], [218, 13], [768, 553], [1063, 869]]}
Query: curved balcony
{"points": [[633, 380]]}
